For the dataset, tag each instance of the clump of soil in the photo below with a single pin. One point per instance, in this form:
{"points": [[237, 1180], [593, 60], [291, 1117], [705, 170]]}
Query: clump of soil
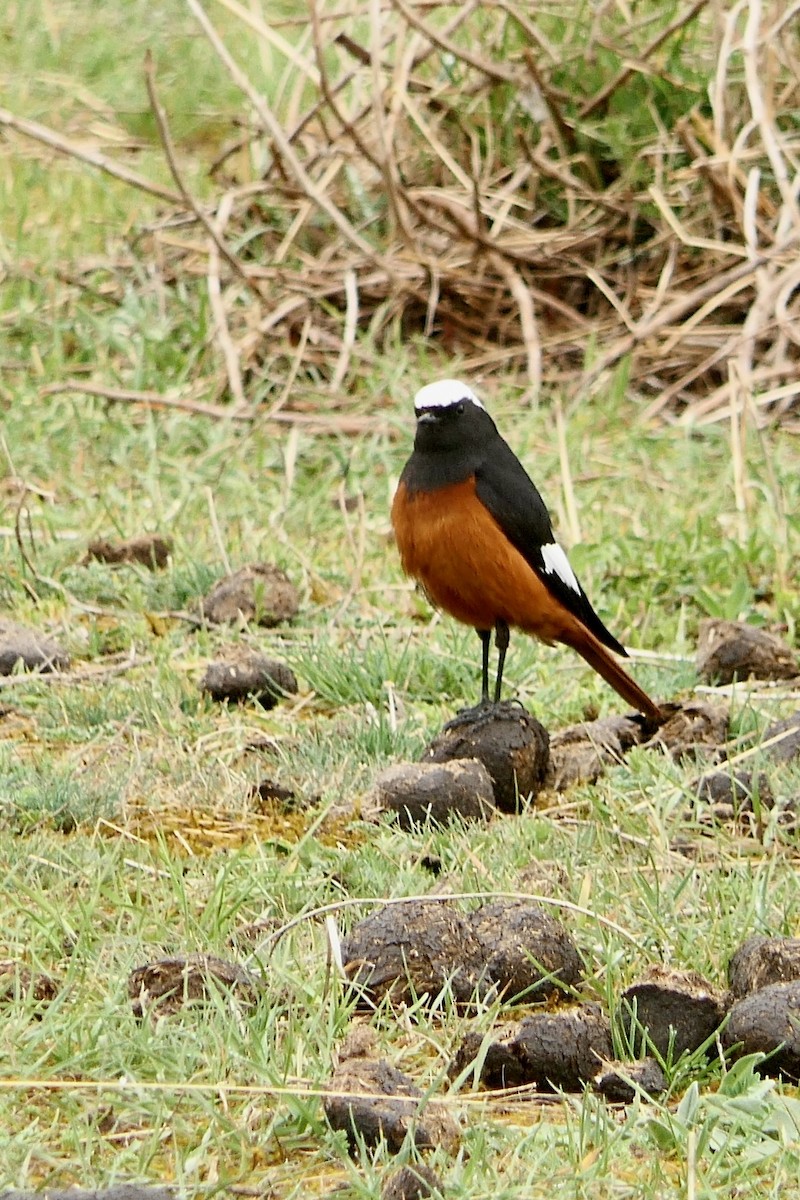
{"points": [[767, 1021], [149, 550], [36, 651], [247, 674], [561, 1049], [415, 1182], [729, 650], [162, 988], [262, 593], [620, 1082], [512, 745], [580, 753], [435, 792], [528, 953], [372, 1101], [693, 729], [761, 961], [414, 949], [678, 1008], [18, 980]]}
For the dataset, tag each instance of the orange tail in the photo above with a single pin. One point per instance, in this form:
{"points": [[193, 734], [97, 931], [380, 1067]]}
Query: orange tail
{"points": [[606, 665]]}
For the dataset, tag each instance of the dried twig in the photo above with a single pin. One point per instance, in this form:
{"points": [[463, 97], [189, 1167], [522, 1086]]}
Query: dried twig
{"points": [[71, 149], [146, 399], [339, 422], [189, 200]]}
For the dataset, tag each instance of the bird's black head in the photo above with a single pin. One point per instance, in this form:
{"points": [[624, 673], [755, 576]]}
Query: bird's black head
{"points": [[454, 432], [450, 418]]}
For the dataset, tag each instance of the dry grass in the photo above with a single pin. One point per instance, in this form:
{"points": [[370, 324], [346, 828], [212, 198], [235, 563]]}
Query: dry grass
{"points": [[524, 186], [538, 193]]}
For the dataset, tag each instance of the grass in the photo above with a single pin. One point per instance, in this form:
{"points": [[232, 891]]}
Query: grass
{"points": [[128, 820]]}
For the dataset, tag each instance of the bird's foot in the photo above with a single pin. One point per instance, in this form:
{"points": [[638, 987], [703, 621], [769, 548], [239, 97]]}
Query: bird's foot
{"points": [[487, 710]]}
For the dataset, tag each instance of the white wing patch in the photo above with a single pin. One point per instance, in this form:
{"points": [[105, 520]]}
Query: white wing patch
{"points": [[556, 563], [444, 393]]}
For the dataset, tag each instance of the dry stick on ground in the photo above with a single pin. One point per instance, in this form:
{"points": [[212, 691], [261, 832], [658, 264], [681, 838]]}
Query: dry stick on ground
{"points": [[70, 149], [147, 399], [323, 421], [169, 152], [329, 92]]}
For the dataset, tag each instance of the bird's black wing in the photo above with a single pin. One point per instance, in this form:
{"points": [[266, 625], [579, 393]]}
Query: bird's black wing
{"points": [[505, 489]]}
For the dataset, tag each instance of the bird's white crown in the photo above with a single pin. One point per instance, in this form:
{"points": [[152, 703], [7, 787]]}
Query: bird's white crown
{"points": [[443, 393]]}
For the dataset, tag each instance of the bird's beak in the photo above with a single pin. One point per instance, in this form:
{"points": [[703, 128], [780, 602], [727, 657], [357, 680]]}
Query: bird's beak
{"points": [[427, 415]]}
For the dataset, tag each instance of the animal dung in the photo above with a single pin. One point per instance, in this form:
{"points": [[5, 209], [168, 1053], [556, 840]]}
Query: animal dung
{"points": [[692, 729], [551, 1050], [739, 796], [149, 550], [678, 1009], [528, 953], [268, 791], [372, 1101], [18, 981], [247, 674], [785, 738], [512, 745], [162, 988], [767, 1022], [36, 651], [729, 650], [262, 593], [414, 1182], [761, 961], [621, 1082], [435, 792], [580, 753], [412, 949]]}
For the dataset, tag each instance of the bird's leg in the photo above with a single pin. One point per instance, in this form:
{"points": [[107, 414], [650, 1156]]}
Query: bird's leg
{"points": [[468, 716], [488, 710], [501, 639], [486, 636]]}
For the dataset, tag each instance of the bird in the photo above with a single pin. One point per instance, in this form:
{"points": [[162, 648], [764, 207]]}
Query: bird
{"points": [[472, 529]]}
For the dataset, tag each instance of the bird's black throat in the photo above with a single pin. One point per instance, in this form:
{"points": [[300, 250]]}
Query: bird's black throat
{"points": [[449, 447]]}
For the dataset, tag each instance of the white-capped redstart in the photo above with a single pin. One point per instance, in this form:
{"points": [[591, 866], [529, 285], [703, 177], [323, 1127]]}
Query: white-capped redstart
{"points": [[473, 530]]}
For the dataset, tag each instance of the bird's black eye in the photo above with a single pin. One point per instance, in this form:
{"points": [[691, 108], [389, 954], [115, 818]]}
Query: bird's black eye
{"points": [[459, 409]]}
